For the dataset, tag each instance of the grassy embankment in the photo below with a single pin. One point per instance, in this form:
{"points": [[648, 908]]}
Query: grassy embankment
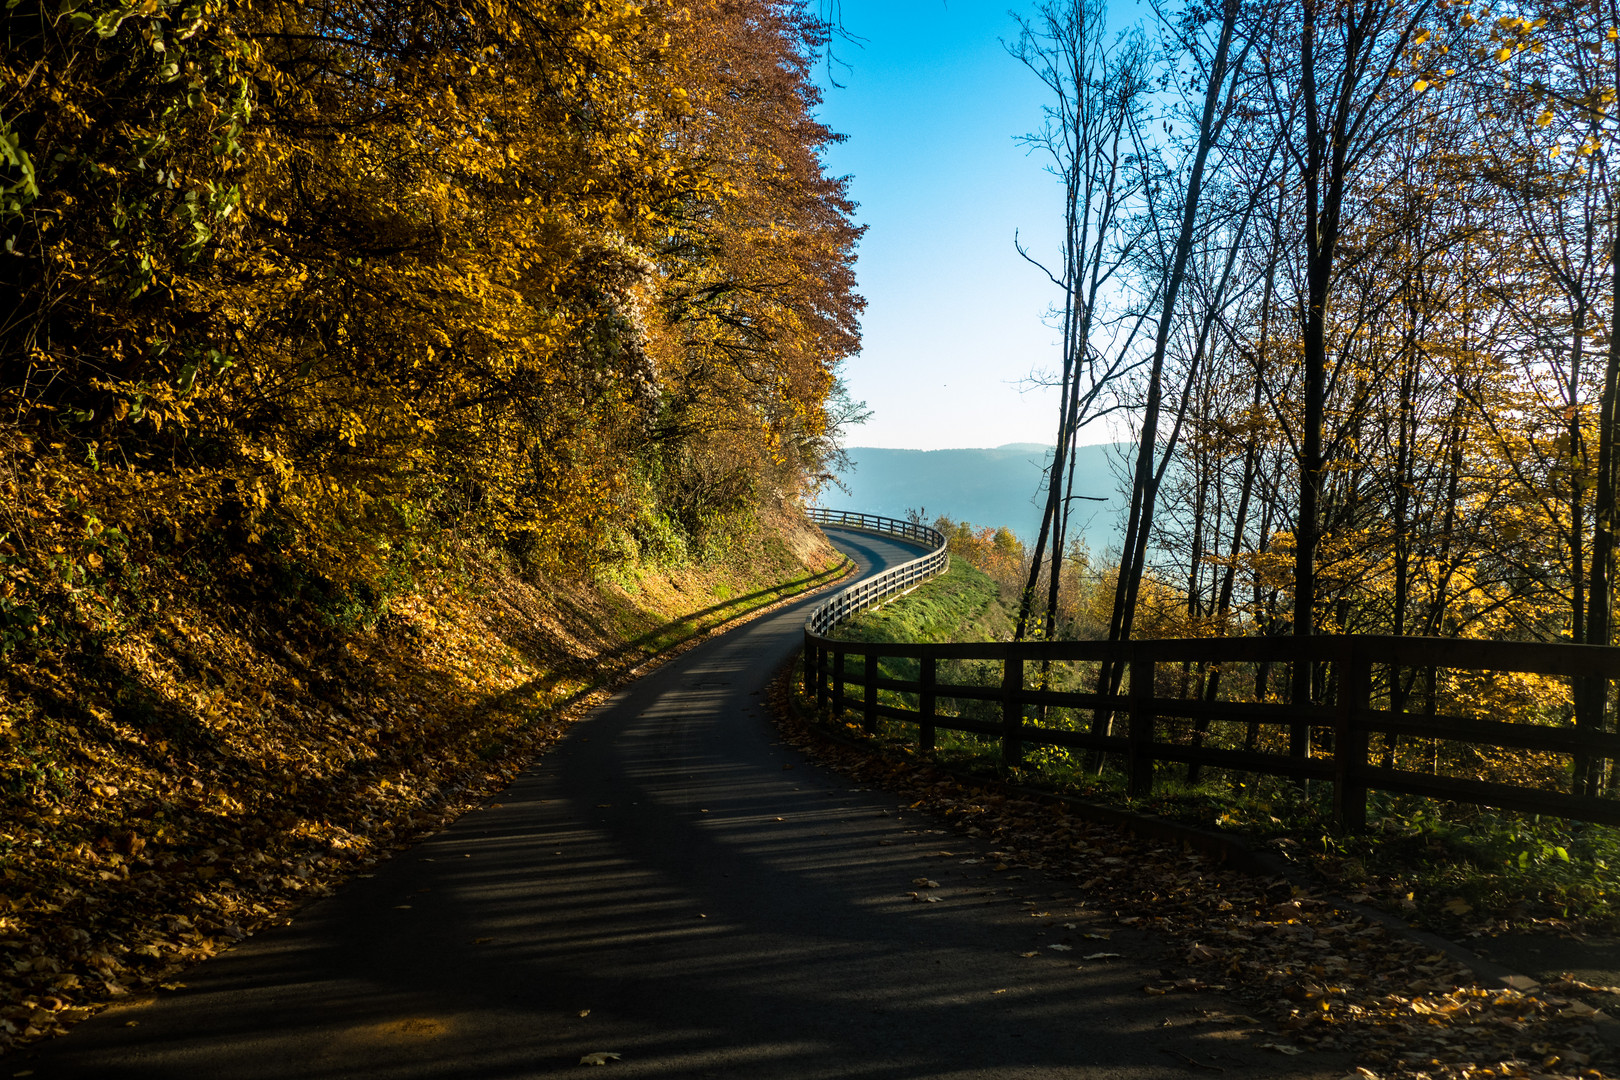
{"points": [[1457, 868], [240, 739]]}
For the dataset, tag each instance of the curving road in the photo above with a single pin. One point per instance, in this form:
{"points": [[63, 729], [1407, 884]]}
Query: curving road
{"points": [[673, 885]]}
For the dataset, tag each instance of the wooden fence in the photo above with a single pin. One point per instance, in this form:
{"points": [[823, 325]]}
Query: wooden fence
{"points": [[1327, 742]]}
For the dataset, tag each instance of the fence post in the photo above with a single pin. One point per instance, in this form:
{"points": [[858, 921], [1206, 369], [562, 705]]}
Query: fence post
{"points": [[925, 705], [838, 684], [1591, 695], [1140, 732], [1302, 680], [1012, 710], [869, 719], [821, 680], [1350, 739], [809, 664]]}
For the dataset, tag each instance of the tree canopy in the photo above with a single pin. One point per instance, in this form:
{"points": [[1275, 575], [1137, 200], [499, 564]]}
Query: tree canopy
{"points": [[568, 274]]}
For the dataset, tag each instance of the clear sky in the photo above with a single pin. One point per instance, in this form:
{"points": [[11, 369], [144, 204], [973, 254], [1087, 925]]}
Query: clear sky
{"points": [[931, 103]]}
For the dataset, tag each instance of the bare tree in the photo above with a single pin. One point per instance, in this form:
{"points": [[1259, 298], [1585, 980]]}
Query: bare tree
{"points": [[1221, 68], [1097, 88]]}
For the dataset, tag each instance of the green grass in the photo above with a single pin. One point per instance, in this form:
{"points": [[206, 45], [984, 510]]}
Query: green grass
{"points": [[962, 604], [1452, 867]]}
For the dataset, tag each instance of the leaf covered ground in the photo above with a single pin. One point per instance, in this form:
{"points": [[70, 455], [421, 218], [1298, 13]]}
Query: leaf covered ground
{"points": [[173, 782], [1317, 974]]}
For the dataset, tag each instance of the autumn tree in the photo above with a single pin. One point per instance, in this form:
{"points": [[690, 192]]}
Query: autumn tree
{"points": [[327, 276]]}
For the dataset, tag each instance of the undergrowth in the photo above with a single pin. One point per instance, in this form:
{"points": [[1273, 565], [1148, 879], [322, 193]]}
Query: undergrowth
{"points": [[1452, 867]]}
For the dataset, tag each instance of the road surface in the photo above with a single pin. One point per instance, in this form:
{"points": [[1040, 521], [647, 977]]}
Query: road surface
{"points": [[674, 885]]}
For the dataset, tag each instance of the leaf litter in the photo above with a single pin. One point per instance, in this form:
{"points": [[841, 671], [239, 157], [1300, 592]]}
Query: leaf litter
{"points": [[238, 755], [1318, 976]]}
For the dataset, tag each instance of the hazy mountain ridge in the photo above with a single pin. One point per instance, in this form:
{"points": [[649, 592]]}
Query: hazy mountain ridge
{"points": [[988, 487]]}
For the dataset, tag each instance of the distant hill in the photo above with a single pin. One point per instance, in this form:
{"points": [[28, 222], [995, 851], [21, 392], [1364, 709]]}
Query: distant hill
{"points": [[993, 487]]}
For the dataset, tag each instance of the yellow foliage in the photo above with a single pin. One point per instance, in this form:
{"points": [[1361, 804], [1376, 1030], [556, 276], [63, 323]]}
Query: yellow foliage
{"points": [[329, 277]]}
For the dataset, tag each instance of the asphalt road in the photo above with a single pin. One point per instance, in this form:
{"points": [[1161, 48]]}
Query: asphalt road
{"points": [[673, 885]]}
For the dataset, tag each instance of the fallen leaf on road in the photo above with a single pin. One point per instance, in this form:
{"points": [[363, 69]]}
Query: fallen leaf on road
{"points": [[925, 883], [1181, 984], [1282, 1048], [1061, 948], [1332, 977], [1228, 1018], [599, 1058]]}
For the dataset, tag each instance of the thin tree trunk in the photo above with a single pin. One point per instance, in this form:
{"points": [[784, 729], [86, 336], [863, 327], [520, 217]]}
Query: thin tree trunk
{"points": [[1144, 487]]}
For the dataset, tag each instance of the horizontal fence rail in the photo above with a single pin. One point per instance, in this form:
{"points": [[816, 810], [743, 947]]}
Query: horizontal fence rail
{"points": [[1328, 742], [898, 579]]}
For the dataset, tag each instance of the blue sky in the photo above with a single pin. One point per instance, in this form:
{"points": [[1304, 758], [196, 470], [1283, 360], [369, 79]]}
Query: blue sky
{"points": [[931, 103]]}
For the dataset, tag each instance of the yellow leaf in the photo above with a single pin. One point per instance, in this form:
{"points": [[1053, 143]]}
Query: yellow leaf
{"points": [[1458, 906], [1421, 85]]}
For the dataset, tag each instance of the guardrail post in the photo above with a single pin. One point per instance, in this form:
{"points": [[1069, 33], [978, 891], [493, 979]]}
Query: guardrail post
{"points": [[1350, 740], [1139, 760], [838, 684], [1012, 710], [925, 705], [869, 720]]}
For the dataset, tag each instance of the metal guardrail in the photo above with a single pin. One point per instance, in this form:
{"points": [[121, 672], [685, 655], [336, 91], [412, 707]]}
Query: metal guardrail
{"points": [[869, 591]]}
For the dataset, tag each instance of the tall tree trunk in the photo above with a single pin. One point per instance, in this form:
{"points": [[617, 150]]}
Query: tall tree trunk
{"points": [[1592, 695], [1144, 484]]}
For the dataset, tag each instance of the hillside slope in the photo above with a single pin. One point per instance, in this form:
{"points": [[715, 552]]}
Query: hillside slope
{"points": [[227, 744]]}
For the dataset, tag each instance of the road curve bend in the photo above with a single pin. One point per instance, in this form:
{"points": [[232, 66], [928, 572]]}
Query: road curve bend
{"points": [[673, 888]]}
